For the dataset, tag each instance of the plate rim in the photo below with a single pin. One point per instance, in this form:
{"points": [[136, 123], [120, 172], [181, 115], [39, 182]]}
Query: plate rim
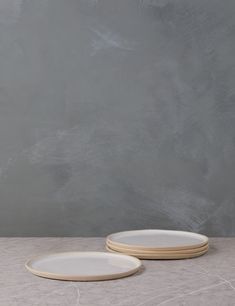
{"points": [[124, 245], [58, 276], [149, 252], [164, 257]]}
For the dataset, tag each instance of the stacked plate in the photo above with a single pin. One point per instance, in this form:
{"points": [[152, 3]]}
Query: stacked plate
{"points": [[158, 244]]}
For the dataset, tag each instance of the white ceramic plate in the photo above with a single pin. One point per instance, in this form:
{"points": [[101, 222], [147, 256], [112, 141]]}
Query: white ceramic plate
{"points": [[83, 266], [157, 240], [155, 252], [161, 256]]}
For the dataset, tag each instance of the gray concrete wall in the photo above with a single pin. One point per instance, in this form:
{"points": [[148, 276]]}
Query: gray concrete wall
{"points": [[117, 114]]}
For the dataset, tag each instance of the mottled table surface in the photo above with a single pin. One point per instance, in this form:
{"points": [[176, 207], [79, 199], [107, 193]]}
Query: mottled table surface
{"points": [[207, 280]]}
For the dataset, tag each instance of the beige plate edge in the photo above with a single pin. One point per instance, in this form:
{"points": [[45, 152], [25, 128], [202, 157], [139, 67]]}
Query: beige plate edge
{"points": [[144, 251], [179, 256]]}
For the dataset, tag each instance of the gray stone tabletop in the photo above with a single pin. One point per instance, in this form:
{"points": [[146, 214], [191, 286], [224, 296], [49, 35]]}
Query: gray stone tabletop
{"points": [[207, 280]]}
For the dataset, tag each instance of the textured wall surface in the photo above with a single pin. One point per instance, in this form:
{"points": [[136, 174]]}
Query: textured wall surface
{"points": [[117, 114]]}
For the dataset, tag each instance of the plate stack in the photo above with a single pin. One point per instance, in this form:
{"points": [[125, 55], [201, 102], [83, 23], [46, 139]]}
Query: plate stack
{"points": [[158, 244]]}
